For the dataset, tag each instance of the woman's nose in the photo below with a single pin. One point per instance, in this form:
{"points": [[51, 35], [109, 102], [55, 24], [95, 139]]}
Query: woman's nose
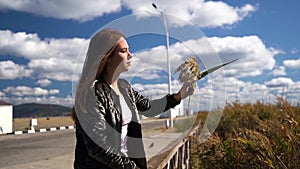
{"points": [[129, 55]]}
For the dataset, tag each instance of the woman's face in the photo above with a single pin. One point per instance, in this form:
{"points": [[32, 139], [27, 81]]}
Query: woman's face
{"points": [[120, 58]]}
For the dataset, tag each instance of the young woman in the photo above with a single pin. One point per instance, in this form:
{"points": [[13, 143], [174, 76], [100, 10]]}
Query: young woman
{"points": [[106, 107]]}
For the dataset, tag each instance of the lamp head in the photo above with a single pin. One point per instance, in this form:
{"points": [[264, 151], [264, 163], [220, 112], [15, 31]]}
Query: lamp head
{"points": [[153, 4]]}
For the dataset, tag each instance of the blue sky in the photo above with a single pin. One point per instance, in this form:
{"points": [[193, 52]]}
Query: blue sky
{"points": [[41, 44]]}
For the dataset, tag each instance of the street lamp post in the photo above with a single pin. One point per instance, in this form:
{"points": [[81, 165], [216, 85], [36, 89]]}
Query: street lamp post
{"points": [[164, 20]]}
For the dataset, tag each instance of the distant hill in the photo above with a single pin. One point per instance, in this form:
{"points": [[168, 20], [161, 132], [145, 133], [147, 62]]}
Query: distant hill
{"points": [[40, 110]]}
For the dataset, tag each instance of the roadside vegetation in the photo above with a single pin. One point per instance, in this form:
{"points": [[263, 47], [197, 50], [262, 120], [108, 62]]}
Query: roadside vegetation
{"points": [[252, 136]]}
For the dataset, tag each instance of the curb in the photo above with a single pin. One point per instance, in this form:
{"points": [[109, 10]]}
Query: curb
{"points": [[42, 130]]}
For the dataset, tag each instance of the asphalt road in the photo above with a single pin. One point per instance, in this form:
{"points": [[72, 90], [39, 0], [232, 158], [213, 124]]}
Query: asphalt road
{"points": [[28, 148]]}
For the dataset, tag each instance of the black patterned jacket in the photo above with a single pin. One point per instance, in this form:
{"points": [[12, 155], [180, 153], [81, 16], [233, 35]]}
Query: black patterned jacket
{"points": [[98, 134]]}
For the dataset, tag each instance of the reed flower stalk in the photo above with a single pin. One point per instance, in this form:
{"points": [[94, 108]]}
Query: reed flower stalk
{"points": [[189, 72]]}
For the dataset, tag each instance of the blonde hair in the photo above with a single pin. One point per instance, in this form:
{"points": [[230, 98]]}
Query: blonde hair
{"points": [[101, 46]]}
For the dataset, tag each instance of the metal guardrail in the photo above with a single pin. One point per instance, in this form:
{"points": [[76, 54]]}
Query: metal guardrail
{"points": [[178, 156]]}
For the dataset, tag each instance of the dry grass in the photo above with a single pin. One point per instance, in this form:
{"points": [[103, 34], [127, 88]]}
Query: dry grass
{"points": [[253, 136], [21, 124]]}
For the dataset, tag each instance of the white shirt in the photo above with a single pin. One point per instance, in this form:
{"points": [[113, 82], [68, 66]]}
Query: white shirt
{"points": [[126, 118]]}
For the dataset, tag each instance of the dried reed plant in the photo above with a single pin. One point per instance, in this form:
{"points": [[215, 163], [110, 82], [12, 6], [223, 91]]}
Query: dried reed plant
{"points": [[189, 72], [253, 136]]}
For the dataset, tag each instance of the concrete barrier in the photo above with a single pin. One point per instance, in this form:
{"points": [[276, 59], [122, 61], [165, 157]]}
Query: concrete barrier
{"points": [[62, 128], [18, 132], [43, 130], [31, 131]]}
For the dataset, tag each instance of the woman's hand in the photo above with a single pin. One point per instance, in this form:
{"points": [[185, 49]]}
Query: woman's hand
{"points": [[186, 90]]}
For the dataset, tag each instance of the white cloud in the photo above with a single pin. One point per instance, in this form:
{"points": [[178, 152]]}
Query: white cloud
{"points": [[30, 46], [2, 94], [294, 51], [241, 91], [212, 93], [254, 56], [279, 71], [147, 74], [64, 9], [152, 90], [284, 87], [49, 58], [200, 12], [203, 13], [59, 58], [152, 63], [53, 91], [250, 92], [215, 92], [44, 82], [279, 82], [22, 44], [53, 68], [28, 91], [10, 70], [66, 101], [292, 64]]}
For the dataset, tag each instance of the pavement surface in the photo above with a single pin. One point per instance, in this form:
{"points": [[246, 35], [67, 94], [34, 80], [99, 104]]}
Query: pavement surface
{"points": [[155, 141]]}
